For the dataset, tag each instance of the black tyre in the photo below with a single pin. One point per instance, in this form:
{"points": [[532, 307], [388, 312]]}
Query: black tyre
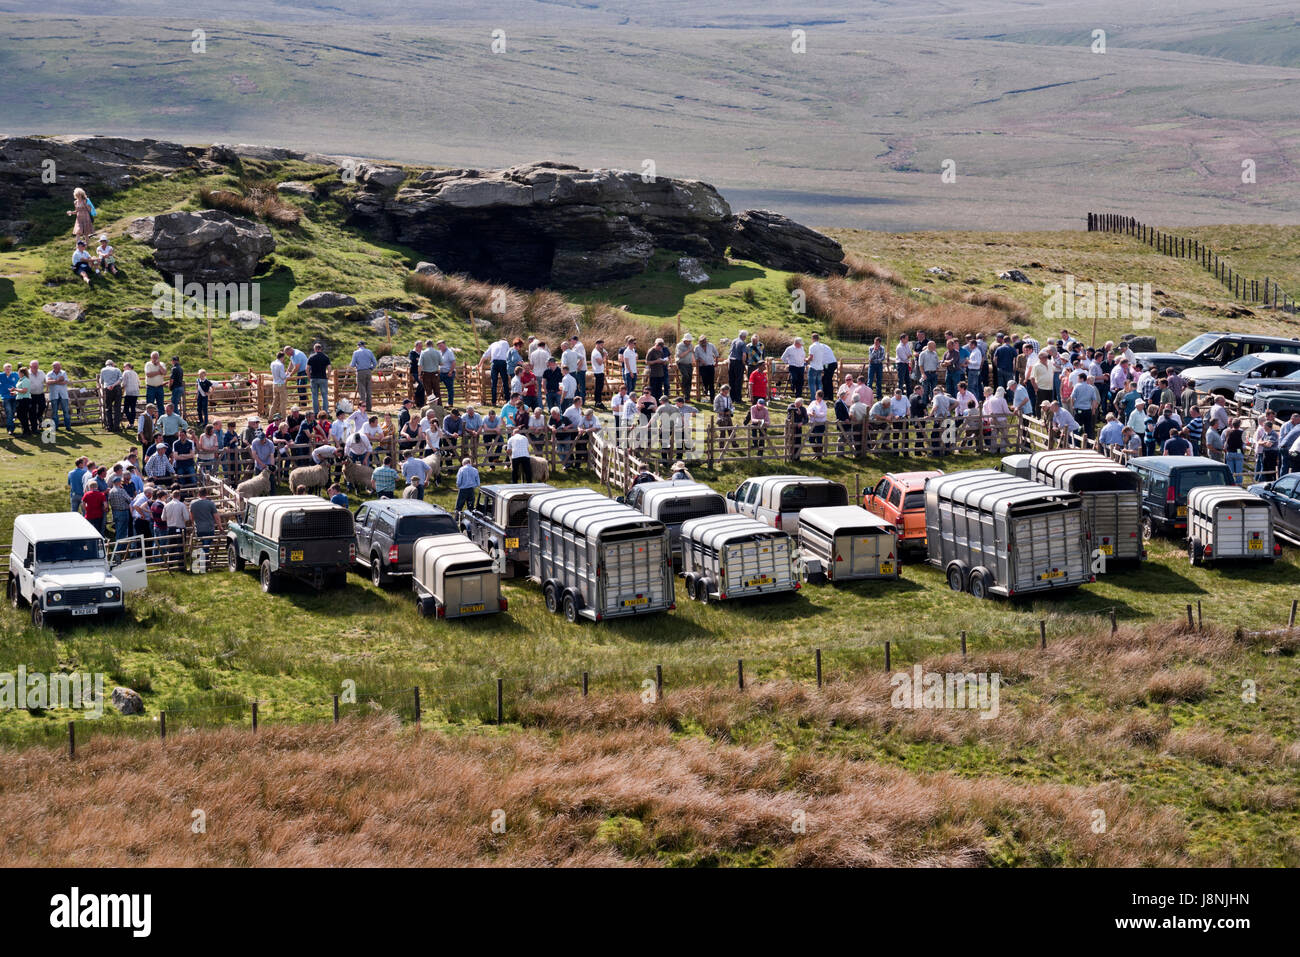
{"points": [[378, 577], [233, 561], [424, 606], [15, 593], [1148, 528], [552, 598], [570, 609], [702, 591], [38, 615], [955, 577], [1195, 553], [270, 580], [979, 586]]}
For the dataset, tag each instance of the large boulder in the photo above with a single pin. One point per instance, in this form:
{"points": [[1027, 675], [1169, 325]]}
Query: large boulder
{"points": [[546, 223], [98, 164], [778, 242], [206, 246], [247, 319], [127, 701], [68, 311], [327, 300]]}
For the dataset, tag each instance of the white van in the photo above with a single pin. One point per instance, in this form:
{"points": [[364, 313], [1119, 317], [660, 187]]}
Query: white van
{"points": [[60, 565], [776, 500]]}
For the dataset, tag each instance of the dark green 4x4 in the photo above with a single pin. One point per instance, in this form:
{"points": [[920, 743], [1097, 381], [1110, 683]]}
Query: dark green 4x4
{"points": [[292, 536], [1166, 480]]}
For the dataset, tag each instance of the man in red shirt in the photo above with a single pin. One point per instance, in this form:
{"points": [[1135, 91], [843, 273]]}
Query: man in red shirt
{"points": [[527, 385], [758, 384], [93, 504]]}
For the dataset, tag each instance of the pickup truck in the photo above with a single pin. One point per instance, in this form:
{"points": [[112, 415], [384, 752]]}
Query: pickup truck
{"points": [[293, 536], [387, 529], [498, 524], [59, 566]]}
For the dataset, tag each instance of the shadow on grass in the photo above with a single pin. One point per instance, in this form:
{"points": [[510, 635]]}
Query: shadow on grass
{"points": [[8, 293]]}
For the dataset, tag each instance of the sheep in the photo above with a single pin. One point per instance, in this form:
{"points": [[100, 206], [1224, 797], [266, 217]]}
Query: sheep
{"points": [[259, 484], [541, 470], [358, 475], [434, 462], [312, 476]]}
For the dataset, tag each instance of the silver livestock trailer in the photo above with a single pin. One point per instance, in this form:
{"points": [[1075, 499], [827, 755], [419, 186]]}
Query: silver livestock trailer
{"points": [[1226, 522], [1017, 465], [846, 542], [1112, 498], [454, 578], [731, 556], [596, 558], [995, 534]]}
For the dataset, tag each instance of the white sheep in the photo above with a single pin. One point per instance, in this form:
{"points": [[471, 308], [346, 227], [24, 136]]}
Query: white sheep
{"points": [[310, 476], [259, 484], [541, 470]]}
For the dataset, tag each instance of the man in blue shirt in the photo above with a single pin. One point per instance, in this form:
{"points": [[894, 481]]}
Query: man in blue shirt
{"points": [[9, 379], [295, 365], [1005, 358], [467, 481], [338, 496], [364, 362], [76, 481]]}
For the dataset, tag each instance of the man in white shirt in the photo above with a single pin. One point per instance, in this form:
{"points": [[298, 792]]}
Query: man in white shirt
{"points": [[795, 359], [821, 365], [279, 388], [497, 354], [568, 389], [521, 465], [576, 360], [903, 363], [538, 357]]}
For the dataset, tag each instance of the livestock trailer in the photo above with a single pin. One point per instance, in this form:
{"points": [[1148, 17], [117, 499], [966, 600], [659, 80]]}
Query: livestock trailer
{"points": [[846, 543], [454, 578], [596, 558], [674, 503], [1111, 494], [731, 556], [996, 534], [1228, 523], [1017, 465]]}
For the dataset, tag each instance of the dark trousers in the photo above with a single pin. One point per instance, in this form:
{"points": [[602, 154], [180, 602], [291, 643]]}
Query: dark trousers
{"points": [[931, 383], [1085, 421], [684, 370], [499, 371], [828, 380], [128, 408], [796, 381], [736, 378], [706, 381], [599, 398], [112, 407], [202, 404], [521, 469], [464, 498], [657, 387]]}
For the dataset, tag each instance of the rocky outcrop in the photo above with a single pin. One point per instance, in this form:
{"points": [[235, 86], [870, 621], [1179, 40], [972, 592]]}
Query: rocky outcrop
{"points": [[778, 242], [546, 223], [247, 319], [67, 311], [127, 701], [98, 164], [327, 300], [207, 246], [689, 268]]}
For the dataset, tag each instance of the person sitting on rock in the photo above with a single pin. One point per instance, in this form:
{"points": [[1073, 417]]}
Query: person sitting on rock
{"points": [[105, 256], [82, 262]]}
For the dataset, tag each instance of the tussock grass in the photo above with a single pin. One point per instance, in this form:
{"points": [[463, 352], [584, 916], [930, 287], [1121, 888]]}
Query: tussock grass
{"points": [[859, 311], [860, 267], [257, 202], [363, 794]]}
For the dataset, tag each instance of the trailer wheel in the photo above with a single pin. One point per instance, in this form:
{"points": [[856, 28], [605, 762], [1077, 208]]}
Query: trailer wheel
{"points": [[233, 561], [570, 608], [270, 581], [424, 606], [552, 597], [957, 576], [702, 591], [979, 585], [1195, 552]]}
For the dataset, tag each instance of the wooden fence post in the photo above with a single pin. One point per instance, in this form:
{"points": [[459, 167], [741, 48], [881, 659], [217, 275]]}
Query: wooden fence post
{"points": [[1042, 633], [584, 684], [887, 657], [416, 692], [501, 711], [254, 715], [336, 709], [818, 654], [963, 644], [659, 682], [72, 739], [740, 673], [162, 725]]}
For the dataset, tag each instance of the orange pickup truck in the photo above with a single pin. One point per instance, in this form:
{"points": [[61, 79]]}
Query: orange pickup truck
{"points": [[899, 497]]}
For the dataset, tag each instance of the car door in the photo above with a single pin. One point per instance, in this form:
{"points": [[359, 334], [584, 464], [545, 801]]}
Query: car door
{"points": [[1284, 503], [127, 563], [876, 498], [361, 527]]}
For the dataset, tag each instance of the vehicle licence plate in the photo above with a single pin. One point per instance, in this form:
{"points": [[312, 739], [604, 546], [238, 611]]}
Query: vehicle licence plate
{"points": [[512, 543], [629, 602], [886, 568], [295, 556], [1107, 549], [1182, 510], [1045, 576], [470, 609], [84, 611], [1255, 545], [760, 580]]}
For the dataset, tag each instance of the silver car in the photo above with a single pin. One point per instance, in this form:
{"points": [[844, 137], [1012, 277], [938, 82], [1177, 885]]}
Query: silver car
{"points": [[1227, 380]]}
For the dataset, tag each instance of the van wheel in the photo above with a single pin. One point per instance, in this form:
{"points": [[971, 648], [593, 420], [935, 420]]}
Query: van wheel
{"points": [[270, 581], [570, 609], [1148, 528], [377, 575], [956, 577], [552, 598], [38, 615], [15, 593], [233, 561], [979, 586]]}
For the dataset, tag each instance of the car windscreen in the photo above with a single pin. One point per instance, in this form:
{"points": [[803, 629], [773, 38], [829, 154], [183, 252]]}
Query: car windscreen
{"points": [[813, 496], [70, 550], [1189, 479], [1197, 345], [417, 526], [1245, 363]]}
